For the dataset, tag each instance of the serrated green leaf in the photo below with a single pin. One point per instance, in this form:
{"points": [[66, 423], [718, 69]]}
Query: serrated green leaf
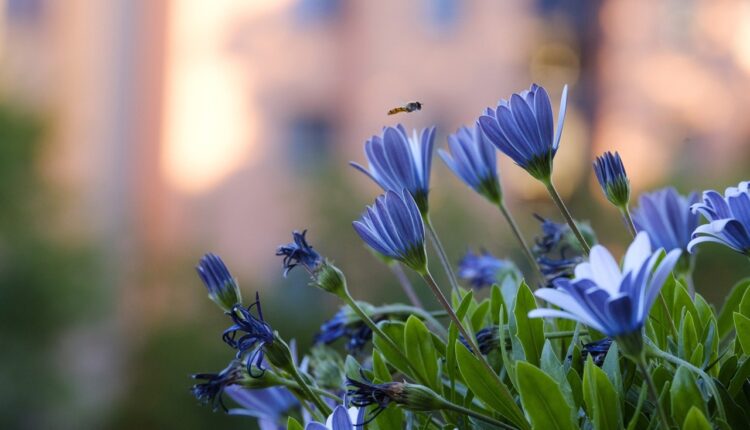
{"points": [[395, 331], [742, 326], [292, 424], [731, 305], [600, 397], [684, 394], [543, 400], [487, 387], [421, 351], [529, 331], [696, 420]]}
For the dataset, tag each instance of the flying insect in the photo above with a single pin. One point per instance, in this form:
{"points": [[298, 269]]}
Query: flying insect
{"points": [[409, 107]]}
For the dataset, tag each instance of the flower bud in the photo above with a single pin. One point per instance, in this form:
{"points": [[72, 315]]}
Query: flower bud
{"points": [[222, 287]]}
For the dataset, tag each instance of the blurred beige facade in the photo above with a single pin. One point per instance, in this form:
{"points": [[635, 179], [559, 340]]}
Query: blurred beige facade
{"points": [[190, 124]]}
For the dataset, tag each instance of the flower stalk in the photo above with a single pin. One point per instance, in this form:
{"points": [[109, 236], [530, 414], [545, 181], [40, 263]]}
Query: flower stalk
{"points": [[566, 214], [517, 234]]}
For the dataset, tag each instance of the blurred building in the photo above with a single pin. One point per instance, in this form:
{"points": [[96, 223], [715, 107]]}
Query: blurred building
{"points": [[185, 125]]}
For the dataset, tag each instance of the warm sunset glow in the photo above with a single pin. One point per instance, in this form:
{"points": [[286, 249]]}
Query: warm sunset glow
{"points": [[210, 122]]}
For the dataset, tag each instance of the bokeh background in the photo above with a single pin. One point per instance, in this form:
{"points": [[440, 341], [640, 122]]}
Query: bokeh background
{"points": [[136, 135]]}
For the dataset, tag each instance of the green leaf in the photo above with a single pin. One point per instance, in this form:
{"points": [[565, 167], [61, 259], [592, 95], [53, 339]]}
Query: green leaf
{"points": [[632, 425], [742, 326], [739, 377], [487, 387], [732, 305], [529, 331], [351, 367], [395, 331], [695, 420], [744, 307], [421, 351], [479, 314], [688, 339], [508, 362], [543, 400], [682, 301], [292, 424], [551, 365], [600, 397], [705, 311], [611, 367], [684, 394], [496, 302], [379, 368]]}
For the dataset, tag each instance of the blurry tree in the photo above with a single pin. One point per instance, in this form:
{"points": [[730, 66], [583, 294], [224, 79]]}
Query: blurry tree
{"points": [[45, 284]]}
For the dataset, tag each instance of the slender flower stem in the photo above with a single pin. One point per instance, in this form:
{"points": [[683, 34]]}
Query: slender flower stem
{"points": [[309, 393], [410, 310], [294, 385], [442, 255], [628, 220], [520, 239], [398, 271], [643, 367], [569, 218], [466, 411], [349, 300], [470, 340], [654, 351]]}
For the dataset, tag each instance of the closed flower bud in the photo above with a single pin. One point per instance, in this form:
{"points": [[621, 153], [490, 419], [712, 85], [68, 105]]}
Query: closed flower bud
{"points": [[612, 177], [410, 396], [222, 287], [330, 278]]}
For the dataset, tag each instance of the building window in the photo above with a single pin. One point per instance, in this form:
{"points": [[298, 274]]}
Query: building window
{"points": [[443, 14], [24, 11], [317, 11]]}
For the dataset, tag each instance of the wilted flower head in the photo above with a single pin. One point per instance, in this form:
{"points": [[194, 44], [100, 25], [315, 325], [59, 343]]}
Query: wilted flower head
{"points": [[222, 287], [597, 350], [612, 177], [340, 419], [728, 216], [607, 298], [411, 396], [556, 250], [345, 324], [665, 215], [249, 334], [393, 227], [299, 252], [523, 129], [397, 161], [472, 158], [483, 269], [488, 339], [210, 392]]}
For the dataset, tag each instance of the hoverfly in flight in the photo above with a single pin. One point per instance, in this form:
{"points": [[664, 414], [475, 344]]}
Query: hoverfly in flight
{"points": [[409, 107]]}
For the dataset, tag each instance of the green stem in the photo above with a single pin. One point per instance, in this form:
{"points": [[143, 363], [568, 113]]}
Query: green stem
{"points": [[519, 238], [292, 384], [398, 271], [569, 218], [628, 220], [375, 329], [309, 393], [442, 255], [410, 310], [656, 352], [470, 339], [643, 367], [472, 413]]}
